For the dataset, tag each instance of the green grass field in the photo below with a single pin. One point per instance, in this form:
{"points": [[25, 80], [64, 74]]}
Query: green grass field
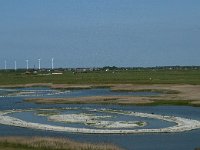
{"points": [[145, 76]]}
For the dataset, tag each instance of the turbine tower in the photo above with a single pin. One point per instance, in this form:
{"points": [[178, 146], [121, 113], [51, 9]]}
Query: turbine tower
{"points": [[5, 65], [15, 65], [52, 63], [39, 63], [27, 64]]}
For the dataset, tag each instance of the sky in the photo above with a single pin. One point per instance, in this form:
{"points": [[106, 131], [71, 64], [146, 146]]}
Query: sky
{"points": [[97, 33]]}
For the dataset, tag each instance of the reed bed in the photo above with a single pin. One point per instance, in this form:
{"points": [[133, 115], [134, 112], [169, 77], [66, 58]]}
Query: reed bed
{"points": [[48, 143]]}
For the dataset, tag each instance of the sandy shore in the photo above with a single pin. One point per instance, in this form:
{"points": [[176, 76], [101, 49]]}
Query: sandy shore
{"points": [[182, 124]]}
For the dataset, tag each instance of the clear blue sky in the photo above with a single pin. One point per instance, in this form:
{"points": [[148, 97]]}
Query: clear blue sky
{"points": [[88, 33]]}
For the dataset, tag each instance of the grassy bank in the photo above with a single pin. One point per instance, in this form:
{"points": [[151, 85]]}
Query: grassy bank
{"points": [[41, 143], [145, 76]]}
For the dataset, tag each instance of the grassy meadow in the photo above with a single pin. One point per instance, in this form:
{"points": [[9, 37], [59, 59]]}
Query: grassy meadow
{"points": [[143, 76]]}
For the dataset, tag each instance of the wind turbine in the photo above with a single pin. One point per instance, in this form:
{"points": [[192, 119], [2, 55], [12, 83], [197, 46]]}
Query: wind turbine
{"points": [[5, 65], [15, 65], [39, 63], [27, 64], [52, 63]]}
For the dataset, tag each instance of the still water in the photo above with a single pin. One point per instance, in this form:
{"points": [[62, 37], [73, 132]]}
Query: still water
{"points": [[184, 141]]}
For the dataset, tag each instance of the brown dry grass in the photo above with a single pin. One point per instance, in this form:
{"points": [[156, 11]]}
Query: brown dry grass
{"points": [[181, 92], [40, 143], [92, 100]]}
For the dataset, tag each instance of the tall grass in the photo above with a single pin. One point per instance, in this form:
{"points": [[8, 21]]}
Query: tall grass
{"points": [[47, 143]]}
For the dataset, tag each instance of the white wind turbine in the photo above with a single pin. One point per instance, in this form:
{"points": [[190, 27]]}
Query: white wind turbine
{"points": [[39, 63], [27, 67], [52, 63], [5, 67], [15, 65]]}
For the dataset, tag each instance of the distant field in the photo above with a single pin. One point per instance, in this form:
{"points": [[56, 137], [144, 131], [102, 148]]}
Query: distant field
{"points": [[145, 76]]}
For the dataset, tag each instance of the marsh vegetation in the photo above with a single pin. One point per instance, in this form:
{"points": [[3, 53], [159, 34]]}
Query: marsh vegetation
{"points": [[44, 143]]}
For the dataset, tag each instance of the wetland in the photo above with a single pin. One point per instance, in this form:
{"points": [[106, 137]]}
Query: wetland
{"points": [[100, 117]]}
